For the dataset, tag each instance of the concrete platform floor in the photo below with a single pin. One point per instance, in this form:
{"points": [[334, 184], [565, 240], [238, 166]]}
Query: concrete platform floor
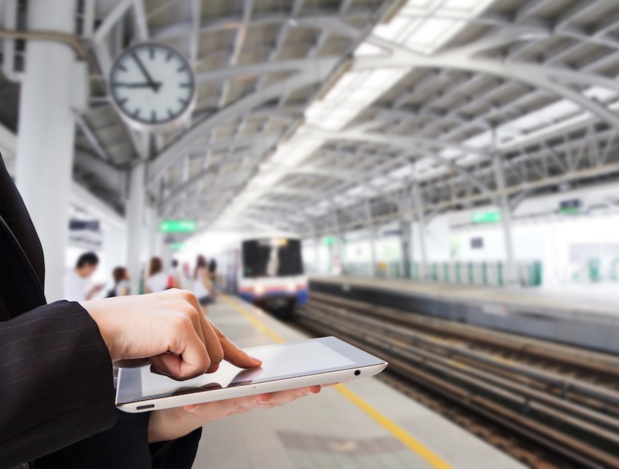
{"points": [[364, 424]]}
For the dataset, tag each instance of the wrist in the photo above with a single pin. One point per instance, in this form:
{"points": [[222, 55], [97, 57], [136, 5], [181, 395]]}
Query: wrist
{"points": [[98, 315], [170, 424]]}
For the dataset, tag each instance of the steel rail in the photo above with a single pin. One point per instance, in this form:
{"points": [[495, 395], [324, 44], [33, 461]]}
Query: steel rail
{"points": [[498, 395]]}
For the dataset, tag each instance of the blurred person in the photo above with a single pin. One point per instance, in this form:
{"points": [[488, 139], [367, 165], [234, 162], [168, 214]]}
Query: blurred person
{"points": [[121, 282], [61, 414], [202, 286], [212, 266], [77, 284], [187, 270], [174, 277], [212, 273], [156, 280]]}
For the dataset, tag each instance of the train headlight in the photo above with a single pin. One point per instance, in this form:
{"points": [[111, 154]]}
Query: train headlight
{"points": [[258, 289], [291, 286]]}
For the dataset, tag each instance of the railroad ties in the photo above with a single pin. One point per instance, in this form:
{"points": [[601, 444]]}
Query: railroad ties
{"points": [[546, 404]]}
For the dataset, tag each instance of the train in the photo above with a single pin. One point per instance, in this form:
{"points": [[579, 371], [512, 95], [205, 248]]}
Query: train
{"points": [[267, 270]]}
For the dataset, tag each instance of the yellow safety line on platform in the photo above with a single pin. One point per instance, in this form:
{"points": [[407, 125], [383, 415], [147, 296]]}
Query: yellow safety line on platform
{"points": [[388, 424], [258, 324]]}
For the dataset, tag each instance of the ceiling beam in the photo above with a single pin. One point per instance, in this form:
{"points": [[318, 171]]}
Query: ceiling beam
{"points": [[172, 153], [325, 21], [258, 69], [537, 75]]}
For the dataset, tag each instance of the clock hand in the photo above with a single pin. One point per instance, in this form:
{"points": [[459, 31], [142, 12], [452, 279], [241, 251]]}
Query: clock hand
{"points": [[149, 79], [157, 84]]}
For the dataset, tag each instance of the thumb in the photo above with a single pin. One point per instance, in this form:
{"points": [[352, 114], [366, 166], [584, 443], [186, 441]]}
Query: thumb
{"points": [[238, 357]]}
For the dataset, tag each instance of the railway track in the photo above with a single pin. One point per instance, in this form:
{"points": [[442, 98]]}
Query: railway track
{"points": [[547, 405]]}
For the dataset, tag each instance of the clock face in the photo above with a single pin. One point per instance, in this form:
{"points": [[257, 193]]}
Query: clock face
{"points": [[152, 84]]}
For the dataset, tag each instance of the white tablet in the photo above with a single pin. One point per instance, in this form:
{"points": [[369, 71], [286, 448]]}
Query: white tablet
{"points": [[284, 366]]}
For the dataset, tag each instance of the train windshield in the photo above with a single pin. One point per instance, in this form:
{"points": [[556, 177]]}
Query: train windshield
{"points": [[272, 257]]}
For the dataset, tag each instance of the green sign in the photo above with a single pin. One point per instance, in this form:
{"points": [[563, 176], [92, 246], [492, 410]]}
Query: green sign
{"points": [[491, 216], [176, 246], [328, 240], [178, 226]]}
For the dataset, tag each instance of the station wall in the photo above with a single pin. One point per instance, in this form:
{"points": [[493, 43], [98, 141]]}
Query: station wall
{"points": [[568, 246]]}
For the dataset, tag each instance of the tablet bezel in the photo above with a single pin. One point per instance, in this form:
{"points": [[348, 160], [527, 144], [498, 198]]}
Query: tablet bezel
{"points": [[363, 362]]}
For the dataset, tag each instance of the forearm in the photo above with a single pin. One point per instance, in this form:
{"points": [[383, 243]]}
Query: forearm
{"points": [[57, 385], [170, 424]]}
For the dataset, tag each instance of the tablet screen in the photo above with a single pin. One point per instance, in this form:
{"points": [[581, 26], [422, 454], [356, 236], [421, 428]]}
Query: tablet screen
{"points": [[278, 362]]}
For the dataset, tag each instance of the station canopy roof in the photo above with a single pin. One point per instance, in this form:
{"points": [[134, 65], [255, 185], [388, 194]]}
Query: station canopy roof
{"points": [[315, 116]]}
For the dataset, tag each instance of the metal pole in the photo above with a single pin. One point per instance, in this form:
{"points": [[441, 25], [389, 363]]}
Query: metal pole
{"points": [[154, 237], [421, 232], [340, 240], [44, 166], [372, 231], [317, 254], [135, 224], [373, 269], [114, 250], [511, 276], [405, 239]]}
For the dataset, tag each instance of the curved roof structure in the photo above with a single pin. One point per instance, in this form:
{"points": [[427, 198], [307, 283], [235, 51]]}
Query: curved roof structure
{"points": [[315, 116]]}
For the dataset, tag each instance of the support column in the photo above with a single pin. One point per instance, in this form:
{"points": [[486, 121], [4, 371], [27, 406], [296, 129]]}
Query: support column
{"points": [[421, 232], [374, 267], [339, 242], [511, 276], [136, 206], [154, 239], [405, 240], [372, 232], [317, 255], [44, 167], [114, 250]]}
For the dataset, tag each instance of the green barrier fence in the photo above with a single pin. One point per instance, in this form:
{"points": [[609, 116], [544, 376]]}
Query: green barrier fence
{"points": [[486, 273]]}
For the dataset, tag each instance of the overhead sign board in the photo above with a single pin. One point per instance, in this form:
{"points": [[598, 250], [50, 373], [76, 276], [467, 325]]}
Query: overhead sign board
{"points": [[84, 225], [488, 216], [570, 206], [328, 240], [176, 246], [178, 226]]}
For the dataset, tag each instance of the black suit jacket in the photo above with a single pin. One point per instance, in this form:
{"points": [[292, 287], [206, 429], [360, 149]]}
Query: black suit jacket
{"points": [[56, 386]]}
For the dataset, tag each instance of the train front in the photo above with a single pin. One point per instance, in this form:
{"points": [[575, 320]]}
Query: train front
{"points": [[271, 274]]}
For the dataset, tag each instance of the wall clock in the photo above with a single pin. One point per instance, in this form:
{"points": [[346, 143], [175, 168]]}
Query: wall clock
{"points": [[152, 85]]}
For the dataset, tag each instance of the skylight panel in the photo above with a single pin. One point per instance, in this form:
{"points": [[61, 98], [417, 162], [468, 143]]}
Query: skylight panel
{"points": [[470, 7], [421, 25], [430, 33], [427, 25], [367, 49], [600, 94], [402, 172], [398, 29], [546, 115]]}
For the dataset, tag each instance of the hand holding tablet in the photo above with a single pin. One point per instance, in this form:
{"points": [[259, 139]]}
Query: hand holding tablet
{"points": [[169, 424]]}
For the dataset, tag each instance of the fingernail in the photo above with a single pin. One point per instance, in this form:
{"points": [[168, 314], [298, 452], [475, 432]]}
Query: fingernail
{"points": [[256, 360]]}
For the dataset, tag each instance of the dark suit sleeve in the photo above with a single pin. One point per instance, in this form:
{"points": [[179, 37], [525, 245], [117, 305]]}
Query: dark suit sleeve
{"points": [[56, 384], [125, 446]]}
